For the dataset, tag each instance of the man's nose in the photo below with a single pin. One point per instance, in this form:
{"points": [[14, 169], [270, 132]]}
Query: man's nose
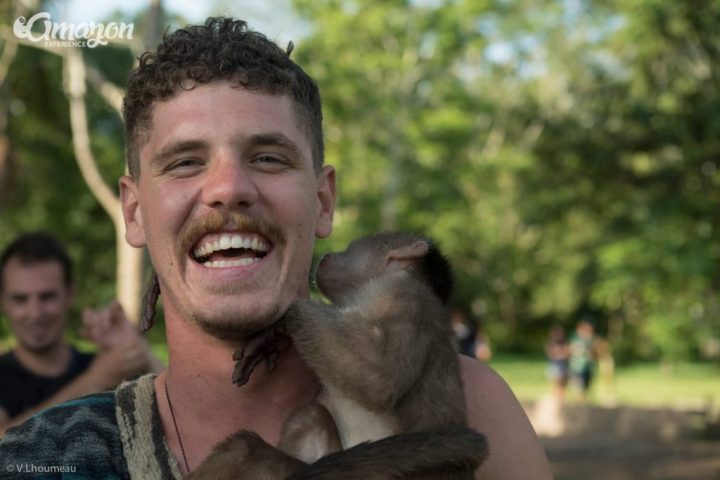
{"points": [[34, 309], [229, 183]]}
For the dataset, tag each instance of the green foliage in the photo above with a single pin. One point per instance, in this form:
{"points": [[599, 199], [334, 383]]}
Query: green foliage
{"points": [[46, 188], [564, 155], [43, 188]]}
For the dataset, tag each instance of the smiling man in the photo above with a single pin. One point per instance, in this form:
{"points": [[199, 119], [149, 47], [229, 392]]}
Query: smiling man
{"points": [[42, 369], [228, 192]]}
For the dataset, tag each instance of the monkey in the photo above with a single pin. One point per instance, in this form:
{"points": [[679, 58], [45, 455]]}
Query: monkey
{"points": [[384, 357], [383, 349], [429, 455]]}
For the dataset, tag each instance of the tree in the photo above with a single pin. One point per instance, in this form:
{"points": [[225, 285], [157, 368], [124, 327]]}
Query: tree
{"points": [[96, 145], [564, 154]]}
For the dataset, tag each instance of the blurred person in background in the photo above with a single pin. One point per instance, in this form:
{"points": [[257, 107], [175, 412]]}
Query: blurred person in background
{"points": [[43, 369], [557, 352], [583, 352], [464, 336], [470, 340]]}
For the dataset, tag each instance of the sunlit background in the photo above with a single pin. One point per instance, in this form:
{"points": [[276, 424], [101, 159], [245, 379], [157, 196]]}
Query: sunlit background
{"points": [[563, 153]]}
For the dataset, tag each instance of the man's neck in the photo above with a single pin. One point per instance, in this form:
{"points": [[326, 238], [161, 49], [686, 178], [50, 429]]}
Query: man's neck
{"points": [[51, 362], [208, 407]]}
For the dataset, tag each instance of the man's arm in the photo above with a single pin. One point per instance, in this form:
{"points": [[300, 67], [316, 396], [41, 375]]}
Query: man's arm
{"points": [[106, 371], [515, 450]]}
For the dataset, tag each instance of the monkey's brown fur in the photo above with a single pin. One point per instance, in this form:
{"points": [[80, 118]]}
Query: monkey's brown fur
{"points": [[430, 455], [385, 342], [384, 356]]}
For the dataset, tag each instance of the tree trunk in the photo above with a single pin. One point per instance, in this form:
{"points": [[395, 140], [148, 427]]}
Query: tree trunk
{"points": [[129, 260]]}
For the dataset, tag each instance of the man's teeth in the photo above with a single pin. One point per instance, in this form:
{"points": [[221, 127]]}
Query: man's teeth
{"points": [[231, 263], [228, 241]]}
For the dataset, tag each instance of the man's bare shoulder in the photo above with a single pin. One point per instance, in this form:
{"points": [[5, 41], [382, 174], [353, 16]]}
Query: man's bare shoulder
{"points": [[515, 450]]}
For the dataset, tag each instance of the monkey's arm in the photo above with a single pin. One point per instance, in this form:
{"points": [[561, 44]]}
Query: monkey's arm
{"points": [[246, 455], [374, 351], [427, 454], [310, 433]]}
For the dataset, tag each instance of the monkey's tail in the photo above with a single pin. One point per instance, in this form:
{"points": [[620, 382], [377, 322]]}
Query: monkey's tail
{"points": [[407, 455]]}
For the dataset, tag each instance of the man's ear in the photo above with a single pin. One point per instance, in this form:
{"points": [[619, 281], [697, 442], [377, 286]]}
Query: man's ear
{"points": [[134, 232], [326, 200]]}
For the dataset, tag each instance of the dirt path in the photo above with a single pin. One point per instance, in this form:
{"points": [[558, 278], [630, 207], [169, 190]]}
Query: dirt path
{"points": [[585, 442], [603, 458]]}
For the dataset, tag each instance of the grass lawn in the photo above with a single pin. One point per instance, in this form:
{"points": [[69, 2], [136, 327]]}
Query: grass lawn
{"points": [[685, 385]]}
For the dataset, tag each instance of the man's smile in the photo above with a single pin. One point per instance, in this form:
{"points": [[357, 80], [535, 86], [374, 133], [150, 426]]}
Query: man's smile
{"points": [[228, 240], [223, 250]]}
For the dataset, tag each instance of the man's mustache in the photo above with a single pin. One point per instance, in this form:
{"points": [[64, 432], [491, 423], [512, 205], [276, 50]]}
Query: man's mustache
{"points": [[218, 221]]}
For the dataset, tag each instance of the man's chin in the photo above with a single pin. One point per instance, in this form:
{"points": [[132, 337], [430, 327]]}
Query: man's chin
{"points": [[39, 348], [237, 329]]}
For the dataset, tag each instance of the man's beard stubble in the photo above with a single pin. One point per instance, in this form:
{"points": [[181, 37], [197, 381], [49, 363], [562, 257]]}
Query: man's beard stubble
{"points": [[42, 349], [236, 329]]}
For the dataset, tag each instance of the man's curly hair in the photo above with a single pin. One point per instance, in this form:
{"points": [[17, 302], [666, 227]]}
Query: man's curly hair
{"points": [[221, 49]]}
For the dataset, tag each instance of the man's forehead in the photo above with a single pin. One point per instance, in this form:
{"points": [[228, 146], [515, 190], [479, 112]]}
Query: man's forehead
{"points": [[17, 264], [196, 112], [18, 272], [212, 98]]}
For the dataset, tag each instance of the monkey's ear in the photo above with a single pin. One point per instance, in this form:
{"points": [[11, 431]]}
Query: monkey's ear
{"points": [[409, 253]]}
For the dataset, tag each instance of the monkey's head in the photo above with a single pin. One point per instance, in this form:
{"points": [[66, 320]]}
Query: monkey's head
{"points": [[339, 274]]}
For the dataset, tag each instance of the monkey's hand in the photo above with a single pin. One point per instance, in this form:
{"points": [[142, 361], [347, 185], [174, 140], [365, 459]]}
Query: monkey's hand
{"points": [[266, 345]]}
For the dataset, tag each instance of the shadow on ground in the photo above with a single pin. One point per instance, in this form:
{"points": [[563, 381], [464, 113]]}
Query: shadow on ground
{"points": [[591, 443]]}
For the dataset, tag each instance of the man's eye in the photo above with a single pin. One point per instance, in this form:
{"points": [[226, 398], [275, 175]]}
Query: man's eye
{"points": [[183, 163], [18, 299], [48, 296], [268, 159], [270, 163]]}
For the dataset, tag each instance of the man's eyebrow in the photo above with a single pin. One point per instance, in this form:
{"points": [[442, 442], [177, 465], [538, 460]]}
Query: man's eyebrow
{"points": [[175, 149], [275, 139]]}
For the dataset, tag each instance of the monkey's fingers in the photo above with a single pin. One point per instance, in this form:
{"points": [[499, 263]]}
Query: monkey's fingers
{"points": [[271, 361], [256, 344], [266, 344], [281, 343], [238, 355], [247, 358], [244, 368]]}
